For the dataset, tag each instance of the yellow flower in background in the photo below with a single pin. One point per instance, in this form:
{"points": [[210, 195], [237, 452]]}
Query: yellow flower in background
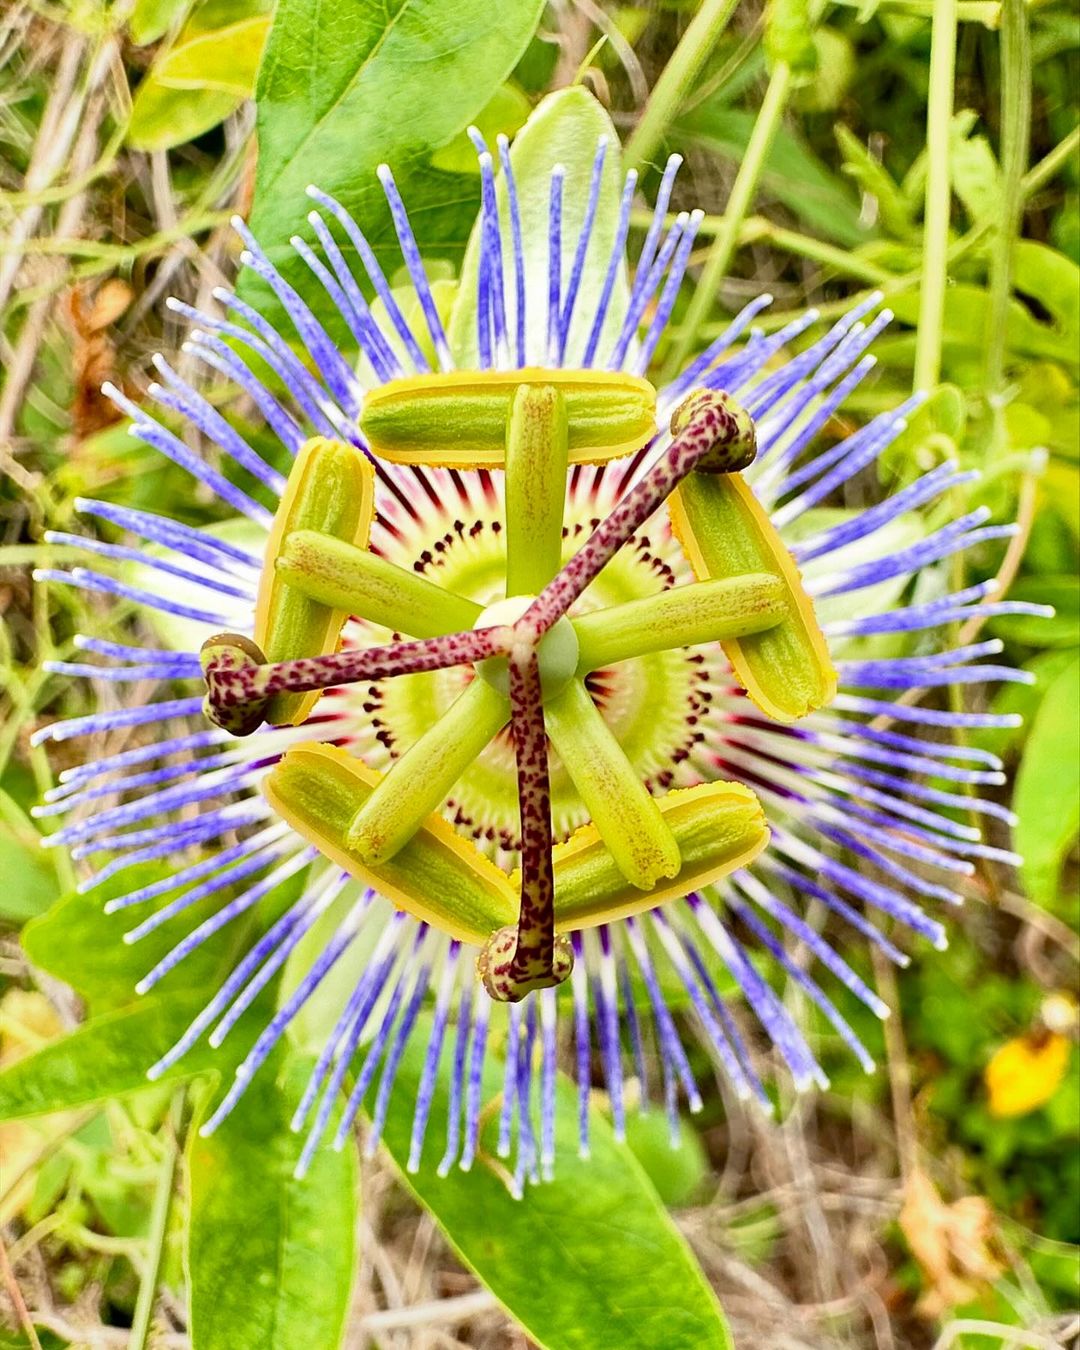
{"points": [[1024, 1073]]}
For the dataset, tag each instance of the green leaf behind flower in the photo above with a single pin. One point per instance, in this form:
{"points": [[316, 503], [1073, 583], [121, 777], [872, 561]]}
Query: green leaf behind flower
{"points": [[564, 129], [270, 1258], [347, 86], [588, 1260]]}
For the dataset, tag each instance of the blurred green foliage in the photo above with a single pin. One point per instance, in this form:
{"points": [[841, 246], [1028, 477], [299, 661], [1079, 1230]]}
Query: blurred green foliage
{"points": [[836, 208]]}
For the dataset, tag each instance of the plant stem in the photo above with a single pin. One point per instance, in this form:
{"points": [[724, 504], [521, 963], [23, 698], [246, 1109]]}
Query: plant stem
{"points": [[1052, 163], [833, 309], [939, 113], [1015, 138], [742, 194], [757, 229], [677, 79], [159, 1219]]}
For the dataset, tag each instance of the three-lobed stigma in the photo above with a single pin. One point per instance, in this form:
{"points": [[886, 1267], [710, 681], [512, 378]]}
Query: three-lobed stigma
{"points": [[532, 652]]}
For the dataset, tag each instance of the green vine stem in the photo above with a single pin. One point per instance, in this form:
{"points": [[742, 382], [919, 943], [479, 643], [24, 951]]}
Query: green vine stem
{"points": [[1015, 139], [939, 112], [159, 1222], [677, 79]]}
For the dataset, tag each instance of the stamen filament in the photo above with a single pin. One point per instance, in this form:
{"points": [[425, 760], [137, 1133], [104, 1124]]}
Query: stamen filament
{"points": [[536, 460], [353, 579], [685, 616], [626, 815], [418, 783]]}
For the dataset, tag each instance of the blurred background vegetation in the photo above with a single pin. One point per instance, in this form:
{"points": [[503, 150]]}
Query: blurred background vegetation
{"points": [[937, 1203]]}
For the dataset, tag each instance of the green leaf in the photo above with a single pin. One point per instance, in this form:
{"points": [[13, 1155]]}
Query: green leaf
{"points": [[976, 176], [77, 942], [198, 81], [152, 19], [965, 320], [270, 1258], [226, 59], [106, 1057], [29, 882], [836, 68], [789, 35], [588, 1259], [564, 130], [506, 111], [1053, 281], [1047, 798], [677, 1171], [897, 213], [792, 173], [347, 86], [162, 117]]}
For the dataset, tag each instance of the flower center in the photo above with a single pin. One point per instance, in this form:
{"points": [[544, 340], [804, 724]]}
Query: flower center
{"points": [[532, 652], [657, 705], [557, 651]]}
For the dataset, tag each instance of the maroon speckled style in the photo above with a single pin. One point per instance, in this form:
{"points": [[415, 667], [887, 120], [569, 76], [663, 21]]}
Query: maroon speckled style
{"points": [[240, 681], [517, 959]]}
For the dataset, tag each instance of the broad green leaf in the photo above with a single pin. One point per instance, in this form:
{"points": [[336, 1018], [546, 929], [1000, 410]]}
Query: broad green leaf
{"points": [[347, 86], [586, 1260], [77, 942], [1053, 280], [1021, 700], [152, 19], [1047, 797], [29, 882], [270, 1258], [563, 129], [792, 173], [202, 77], [226, 60], [162, 117], [107, 1057], [965, 319], [506, 111]]}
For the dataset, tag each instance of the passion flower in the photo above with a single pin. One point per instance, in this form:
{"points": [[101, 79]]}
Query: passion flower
{"points": [[531, 671]]}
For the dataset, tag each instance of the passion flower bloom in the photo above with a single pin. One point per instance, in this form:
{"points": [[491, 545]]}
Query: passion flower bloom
{"points": [[612, 686]]}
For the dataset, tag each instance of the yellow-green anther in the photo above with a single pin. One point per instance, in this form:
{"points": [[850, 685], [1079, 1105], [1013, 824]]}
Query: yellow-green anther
{"points": [[439, 876], [331, 489], [419, 782], [628, 817], [458, 419], [719, 827], [684, 616], [353, 579], [536, 460], [725, 532]]}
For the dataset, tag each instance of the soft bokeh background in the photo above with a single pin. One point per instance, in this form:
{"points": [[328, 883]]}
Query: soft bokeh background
{"points": [[935, 1204]]}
